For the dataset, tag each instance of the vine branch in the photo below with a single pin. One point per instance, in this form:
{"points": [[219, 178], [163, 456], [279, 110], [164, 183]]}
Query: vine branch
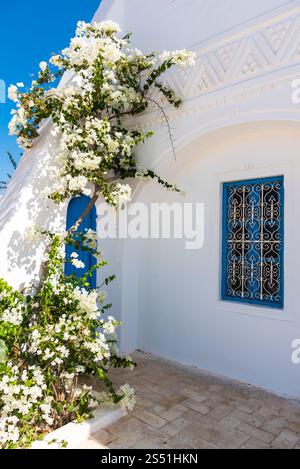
{"points": [[86, 211], [165, 116]]}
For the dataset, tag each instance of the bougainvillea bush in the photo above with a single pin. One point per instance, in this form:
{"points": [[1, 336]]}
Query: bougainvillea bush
{"points": [[56, 332], [49, 338], [112, 82]]}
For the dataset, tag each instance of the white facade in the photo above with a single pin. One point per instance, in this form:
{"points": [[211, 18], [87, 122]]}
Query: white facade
{"points": [[237, 122]]}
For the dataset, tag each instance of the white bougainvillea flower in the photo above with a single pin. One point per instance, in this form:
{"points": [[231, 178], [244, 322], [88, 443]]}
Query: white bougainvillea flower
{"points": [[12, 93], [43, 65], [78, 264]]}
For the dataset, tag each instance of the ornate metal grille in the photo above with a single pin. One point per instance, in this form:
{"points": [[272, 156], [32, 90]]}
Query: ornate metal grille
{"points": [[252, 266]]}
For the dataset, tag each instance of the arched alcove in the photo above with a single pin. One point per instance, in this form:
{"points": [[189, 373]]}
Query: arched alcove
{"points": [[76, 206], [173, 308]]}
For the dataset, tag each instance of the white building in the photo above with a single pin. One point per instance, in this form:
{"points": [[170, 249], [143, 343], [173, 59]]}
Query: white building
{"points": [[238, 125]]}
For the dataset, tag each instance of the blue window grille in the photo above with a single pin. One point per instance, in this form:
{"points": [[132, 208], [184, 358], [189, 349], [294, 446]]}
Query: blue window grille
{"points": [[253, 236], [75, 209]]}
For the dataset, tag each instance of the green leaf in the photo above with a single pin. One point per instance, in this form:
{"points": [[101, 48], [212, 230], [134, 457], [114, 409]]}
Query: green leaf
{"points": [[3, 351]]}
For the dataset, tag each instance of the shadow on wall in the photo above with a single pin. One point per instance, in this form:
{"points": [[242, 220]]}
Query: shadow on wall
{"points": [[25, 207]]}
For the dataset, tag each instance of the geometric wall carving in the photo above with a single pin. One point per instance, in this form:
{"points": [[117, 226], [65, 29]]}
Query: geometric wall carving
{"points": [[270, 46]]}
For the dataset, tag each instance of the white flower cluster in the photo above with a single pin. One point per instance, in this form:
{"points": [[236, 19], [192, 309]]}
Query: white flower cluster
{"points": [[77, 151], [87, 302], [121, 195], [90, 39], [128, 401], [179, 57], [11, 309], [9, 432], [109, 326], [50, 343], [20, 115], [43, 66], [47, 344], [13, 93], [105, 27], [19, 120], [98, 347], [78, 184], [22, 393], [77, 262], [13, 315]]}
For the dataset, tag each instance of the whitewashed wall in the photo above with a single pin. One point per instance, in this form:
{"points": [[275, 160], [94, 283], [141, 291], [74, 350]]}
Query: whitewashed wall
{"points": [[237, 121], [25, 204], [176, 294], [164, 24]]}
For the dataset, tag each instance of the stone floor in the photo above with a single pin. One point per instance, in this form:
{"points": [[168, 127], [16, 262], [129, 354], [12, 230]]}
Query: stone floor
{"points": [[181, 407]]}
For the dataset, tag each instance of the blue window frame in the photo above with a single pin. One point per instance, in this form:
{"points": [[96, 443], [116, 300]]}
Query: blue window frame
{"points": [[75, 209], [253, 242]]}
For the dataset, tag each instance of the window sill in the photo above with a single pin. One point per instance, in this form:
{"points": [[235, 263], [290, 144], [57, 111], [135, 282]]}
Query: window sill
{"points": [[271, 314]]}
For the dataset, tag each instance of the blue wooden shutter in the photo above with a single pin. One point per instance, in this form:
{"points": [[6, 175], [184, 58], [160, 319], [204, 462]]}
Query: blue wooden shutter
{"points": [[75, 209], [253, 237]]}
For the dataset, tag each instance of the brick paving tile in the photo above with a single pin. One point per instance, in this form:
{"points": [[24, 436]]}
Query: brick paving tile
{"points": [[181, 407]]}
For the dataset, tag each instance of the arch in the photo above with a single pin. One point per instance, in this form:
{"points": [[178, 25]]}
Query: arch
{"points": [[205, 129], [76, 206], [209, 131], [131, 259]]}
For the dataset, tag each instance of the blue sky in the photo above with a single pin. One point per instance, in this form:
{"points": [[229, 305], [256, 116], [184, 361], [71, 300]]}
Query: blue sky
{"points": [[30, 31]]}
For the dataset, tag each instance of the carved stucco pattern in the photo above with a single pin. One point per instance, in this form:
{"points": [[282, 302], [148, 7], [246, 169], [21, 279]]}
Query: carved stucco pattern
{"points": [[234, 64], [253, 54]]}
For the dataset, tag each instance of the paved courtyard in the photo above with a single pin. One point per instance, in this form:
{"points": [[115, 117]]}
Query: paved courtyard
{"points": [[182, 407]]}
